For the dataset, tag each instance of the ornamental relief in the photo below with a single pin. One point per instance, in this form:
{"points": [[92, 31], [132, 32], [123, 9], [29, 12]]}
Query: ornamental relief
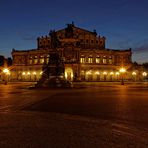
{"points": [[69, 54], [19, 59]]}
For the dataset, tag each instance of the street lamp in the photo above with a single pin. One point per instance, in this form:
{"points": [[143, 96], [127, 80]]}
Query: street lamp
{"points": [[122, 71], [144, 74], [6, 72], [134, 75]]}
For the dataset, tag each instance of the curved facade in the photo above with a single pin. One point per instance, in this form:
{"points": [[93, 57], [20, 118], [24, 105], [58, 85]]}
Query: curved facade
{"points": [[84, 54]]}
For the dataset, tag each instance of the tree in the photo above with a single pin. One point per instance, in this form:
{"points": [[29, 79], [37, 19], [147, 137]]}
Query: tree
{"points": [[145, 65], [2, 59]]}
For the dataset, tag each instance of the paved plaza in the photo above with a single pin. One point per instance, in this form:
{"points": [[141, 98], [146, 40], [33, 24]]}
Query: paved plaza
{"points": [[87, 115]]}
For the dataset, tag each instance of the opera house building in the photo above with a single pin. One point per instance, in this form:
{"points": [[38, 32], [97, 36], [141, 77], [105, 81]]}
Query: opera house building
{"points": [[84, 55]]}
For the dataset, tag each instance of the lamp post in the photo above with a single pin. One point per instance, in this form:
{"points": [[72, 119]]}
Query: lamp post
{"points": [[122, 71], [6, 72], [134, 75], [144, 75]]}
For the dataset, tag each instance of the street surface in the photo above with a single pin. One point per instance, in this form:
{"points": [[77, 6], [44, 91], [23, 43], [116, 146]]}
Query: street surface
{"points": [[88, 115]]}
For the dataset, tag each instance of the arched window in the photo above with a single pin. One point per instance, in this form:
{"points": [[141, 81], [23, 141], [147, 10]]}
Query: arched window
{"points": [[30, 60], [35, 59], [41, 59], [104, 60], [97, 59], [110, 60], [82, 59], [47, 58], [90, 59]]}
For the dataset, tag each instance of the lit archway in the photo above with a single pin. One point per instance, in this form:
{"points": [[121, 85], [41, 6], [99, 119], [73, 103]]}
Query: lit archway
{"points": [[69, 73]]}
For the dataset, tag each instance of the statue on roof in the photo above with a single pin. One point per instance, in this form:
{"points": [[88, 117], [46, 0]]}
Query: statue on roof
{"points": [[54, 39], [69, 31], [95, 32]]}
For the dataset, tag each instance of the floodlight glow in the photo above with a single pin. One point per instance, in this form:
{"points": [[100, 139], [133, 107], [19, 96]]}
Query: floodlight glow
{"points": [[6, 70], [23, 73], [144, 74], [122, 70], [134, 73], [111, 73], [117, 73], [104, 73], [97, 72], [34, 73]]}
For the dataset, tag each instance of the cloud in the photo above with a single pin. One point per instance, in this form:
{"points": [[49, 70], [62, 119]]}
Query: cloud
{"points": [[141, 49], [124, 43], [29, 38], [26, 36]]}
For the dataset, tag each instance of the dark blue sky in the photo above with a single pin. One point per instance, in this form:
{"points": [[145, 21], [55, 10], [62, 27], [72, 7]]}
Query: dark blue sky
{"points": [[124, 23]]}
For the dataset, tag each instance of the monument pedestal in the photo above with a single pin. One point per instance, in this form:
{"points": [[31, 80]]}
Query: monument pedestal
{"points": [[53, 74], [54, 82]]}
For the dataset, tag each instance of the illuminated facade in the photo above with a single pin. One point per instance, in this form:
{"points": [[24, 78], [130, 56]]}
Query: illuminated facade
{"points": [[84, 54]]}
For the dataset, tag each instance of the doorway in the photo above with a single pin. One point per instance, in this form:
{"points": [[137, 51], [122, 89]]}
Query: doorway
{"points": [[69, 74]]}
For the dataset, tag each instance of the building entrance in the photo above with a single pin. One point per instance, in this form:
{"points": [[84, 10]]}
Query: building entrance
{"points": [[69, 73]]}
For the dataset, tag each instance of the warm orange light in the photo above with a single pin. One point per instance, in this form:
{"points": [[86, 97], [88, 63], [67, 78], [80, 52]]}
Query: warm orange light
{"points": [[89, 72], [104, 73], [6, 70], [111, 73], [97, 72], [117, 73], [134, 73], [23, 73], [34, 73], [144, 74], [122, 70], [65, 75]]}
